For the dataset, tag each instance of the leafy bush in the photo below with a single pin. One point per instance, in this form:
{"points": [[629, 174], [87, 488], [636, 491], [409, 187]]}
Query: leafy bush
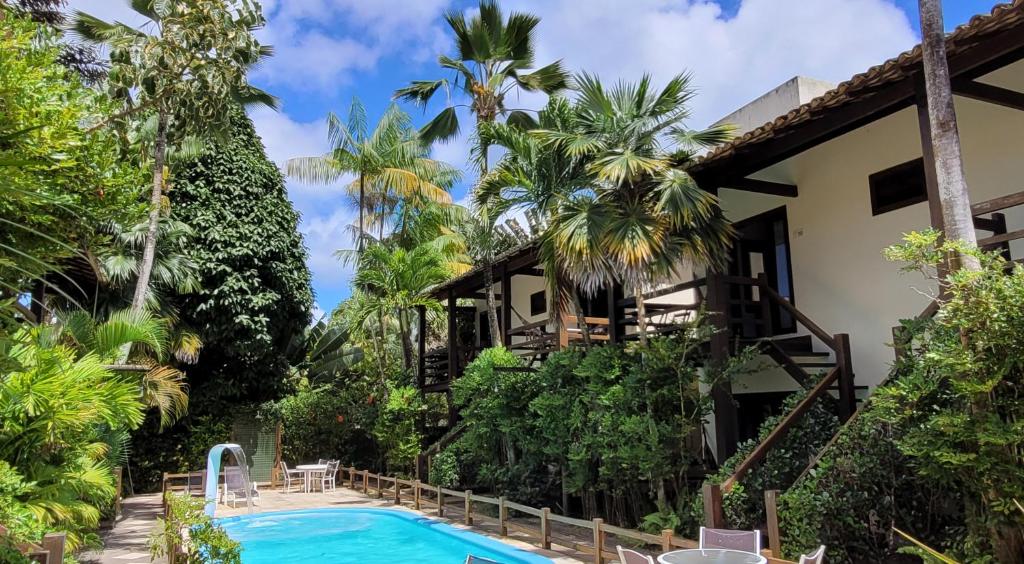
{"points": [[444, 469], [206, 543], [395, 428]]}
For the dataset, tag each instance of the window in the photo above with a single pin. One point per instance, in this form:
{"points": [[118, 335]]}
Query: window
{"points": [[538, 304], [898, 187]]}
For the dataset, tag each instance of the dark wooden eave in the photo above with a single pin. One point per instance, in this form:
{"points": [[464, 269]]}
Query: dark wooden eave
{"points": [[520, 260]]}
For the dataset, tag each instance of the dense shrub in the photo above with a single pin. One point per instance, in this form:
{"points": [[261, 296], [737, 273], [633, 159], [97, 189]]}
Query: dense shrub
{"points": [[206, 542], [444, 469]]}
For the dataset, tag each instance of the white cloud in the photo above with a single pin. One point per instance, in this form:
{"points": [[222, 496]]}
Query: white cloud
{"points": [[324, 234], [733, 60]]}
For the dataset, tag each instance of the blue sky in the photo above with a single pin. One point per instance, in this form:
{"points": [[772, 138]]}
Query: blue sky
{"points": [[331, 50]]}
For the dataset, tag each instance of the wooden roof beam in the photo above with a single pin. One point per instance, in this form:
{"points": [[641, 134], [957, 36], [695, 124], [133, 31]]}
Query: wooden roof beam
{"points": [[763, 187], [989, 93]]}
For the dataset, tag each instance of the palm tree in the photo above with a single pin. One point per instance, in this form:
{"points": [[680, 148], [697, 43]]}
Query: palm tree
{"points": [[396, 281], [390, 162], [323, 351], [640, 212], [185, 77], [493, 55]]}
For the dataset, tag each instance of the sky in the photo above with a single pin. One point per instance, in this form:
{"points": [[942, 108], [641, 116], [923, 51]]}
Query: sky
{"points": [[327, 51]]}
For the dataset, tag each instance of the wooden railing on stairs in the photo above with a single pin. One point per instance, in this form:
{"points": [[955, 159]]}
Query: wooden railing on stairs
{"points": [[49, 551]]}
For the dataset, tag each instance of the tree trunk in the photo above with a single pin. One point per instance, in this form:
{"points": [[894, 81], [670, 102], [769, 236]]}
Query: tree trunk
{"points": [[581, 315], [949, 168], [362, 206], [641, 316], [403, 326], [155, 201], [492, 302]]}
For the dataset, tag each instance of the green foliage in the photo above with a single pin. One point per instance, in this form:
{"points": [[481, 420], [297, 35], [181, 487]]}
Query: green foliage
{"points": [[255, 284], [960, 401], [59, 181], [744, 504], [325, 423], [444, 469], [395, 428], [16, 516], [54, 407], [181, 448], [207, 542]]}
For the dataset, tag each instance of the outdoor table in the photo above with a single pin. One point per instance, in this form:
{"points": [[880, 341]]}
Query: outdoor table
{"points": [[711, 556], [308, 470]]}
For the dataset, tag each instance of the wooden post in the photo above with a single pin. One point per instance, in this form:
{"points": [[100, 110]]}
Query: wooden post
{"points": [[726, 418], [713, 517], [545, 528], [163, 491], [275, 474], [416, 495], [380, 488], [398, 492], [847, 392], [766, 306], [506, 305], [666, 539], [352, 477], [502, 516], [453, 340], [772, 512], [53, 544], [366, 482], [563, 331], [440, 502], [118, 485], [469, 507], [598, 542], [421, 348]]}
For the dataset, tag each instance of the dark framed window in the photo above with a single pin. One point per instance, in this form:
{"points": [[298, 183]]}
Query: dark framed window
{"points": [[898, 187], [538, 303]]}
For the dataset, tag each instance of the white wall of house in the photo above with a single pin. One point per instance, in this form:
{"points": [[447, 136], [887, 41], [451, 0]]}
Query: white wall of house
{"points": [[777, 102]]}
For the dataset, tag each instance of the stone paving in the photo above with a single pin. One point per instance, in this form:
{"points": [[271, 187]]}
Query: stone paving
{"points": [[126, 543]]}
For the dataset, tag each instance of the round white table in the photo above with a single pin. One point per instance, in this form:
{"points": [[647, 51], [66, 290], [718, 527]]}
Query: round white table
{"points": [[711, 556], [308, 470]]}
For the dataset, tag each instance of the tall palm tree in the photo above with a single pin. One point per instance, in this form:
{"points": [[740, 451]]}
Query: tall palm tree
{"points": [[494, 57], [494, 54], [640, 212], [390, 163], [396, 281]]}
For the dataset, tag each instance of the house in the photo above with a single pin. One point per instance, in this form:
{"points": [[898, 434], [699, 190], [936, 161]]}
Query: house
{"points": [[830, 178]]}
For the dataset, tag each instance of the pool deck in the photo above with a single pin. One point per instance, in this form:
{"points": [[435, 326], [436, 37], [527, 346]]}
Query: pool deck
{"points": [[126, 542]]}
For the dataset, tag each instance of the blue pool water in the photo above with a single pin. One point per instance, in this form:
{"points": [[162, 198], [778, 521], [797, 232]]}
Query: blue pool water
{"points": [[361, 536]]}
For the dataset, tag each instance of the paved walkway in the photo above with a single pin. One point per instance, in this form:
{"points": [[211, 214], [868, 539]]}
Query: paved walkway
{"points": [[127, 542]]}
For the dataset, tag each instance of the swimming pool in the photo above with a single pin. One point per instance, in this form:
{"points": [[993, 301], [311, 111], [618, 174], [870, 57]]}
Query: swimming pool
{"points": [[361, 536]]}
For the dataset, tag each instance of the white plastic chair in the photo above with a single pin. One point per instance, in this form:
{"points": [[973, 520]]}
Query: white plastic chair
{"points": [[329, 476], [290, 476], [816, 557], [746, 541], [627, 556], [234, 488]]}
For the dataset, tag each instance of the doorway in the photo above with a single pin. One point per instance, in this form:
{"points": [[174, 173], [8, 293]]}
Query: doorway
{"points": [[761, 247]]}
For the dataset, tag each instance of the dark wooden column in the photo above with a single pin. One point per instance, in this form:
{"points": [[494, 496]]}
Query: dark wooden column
{"points": [[615, 312], [506, 305], [847, 390], [726, 423], [928, 153], [453, 340], [421, 358]]}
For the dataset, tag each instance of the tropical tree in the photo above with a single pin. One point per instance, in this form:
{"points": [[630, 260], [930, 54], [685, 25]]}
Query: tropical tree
{"points": [[396, 282], [182, 79], [390, 162], [640, 212], [494, 58], [322, 352]]}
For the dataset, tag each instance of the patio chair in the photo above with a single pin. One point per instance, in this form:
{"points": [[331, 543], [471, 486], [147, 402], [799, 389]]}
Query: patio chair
{"points": [[816, 557], [329, 477], [290, 476], [627, 556], [747, 541], [234, 488]]}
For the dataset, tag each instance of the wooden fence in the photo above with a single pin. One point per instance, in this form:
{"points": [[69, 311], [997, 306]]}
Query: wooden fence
{"points": [[535, 523], [49, 551]]}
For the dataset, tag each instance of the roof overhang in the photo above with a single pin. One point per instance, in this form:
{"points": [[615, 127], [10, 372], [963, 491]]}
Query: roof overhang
{"points": [[984, 44], [515, 261]]}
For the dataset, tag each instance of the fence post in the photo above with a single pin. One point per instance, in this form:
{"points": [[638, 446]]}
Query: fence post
{"points": [[380, 489], [598, 542], [847, 393], [163, 491], [772, 512], [545, 528], [713, 506], [666, 540], [502, 516], [352, 477], [53, 544], [469, 507], [366, 482], [440, 502], [416, 495], [398, 492]]}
